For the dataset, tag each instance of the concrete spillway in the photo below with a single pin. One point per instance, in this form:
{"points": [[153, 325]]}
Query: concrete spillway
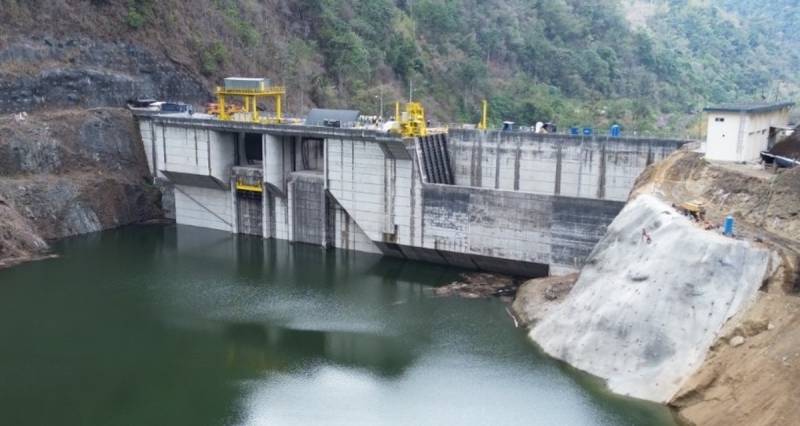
{"points": [[510, 202]]}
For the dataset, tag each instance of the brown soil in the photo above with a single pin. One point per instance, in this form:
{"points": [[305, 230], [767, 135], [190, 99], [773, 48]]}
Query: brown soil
{"points": [[537, 297], [789, 147], [752, 373], [757, 382]]}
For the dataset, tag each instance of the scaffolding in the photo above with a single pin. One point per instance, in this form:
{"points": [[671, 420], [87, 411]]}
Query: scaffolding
{"points": [[250, 96]]}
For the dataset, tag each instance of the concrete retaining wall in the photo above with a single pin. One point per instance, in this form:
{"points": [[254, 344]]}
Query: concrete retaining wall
{"points": [[548, 230], [187, 150], [356, 173], [204, 207], [347, 235], [574, 166]]}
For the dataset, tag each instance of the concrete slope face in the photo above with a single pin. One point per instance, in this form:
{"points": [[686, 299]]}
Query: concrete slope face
{"points": [[643, 314]]}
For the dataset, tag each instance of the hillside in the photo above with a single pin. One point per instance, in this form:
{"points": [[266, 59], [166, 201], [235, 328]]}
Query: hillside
{"points": [[66, 173], [647, 64]]}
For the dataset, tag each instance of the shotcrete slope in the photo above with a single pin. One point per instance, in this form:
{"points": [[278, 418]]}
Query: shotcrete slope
{"points": [[751, 375], [643, 314]]}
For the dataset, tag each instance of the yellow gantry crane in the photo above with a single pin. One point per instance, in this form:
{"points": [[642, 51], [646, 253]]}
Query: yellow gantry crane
{"points": [[250, 90], [411, 122]]}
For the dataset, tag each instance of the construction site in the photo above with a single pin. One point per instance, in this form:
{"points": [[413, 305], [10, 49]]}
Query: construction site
{"points": [[667, 268], [621, 219], [374, 212]]}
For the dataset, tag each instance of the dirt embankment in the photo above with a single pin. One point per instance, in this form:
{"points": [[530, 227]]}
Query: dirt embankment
{"points": [[751, 375], [67, 173], [536, 298]]}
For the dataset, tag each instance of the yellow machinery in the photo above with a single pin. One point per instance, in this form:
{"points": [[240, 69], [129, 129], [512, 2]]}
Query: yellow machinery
{"points": [[483, 124], [213, 109], [411, 122], [243, 186], [250, 90], [694, 208]]}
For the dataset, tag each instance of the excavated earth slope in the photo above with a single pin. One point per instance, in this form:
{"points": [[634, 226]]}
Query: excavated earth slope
{"points": [[751, 375], [748, 372]]}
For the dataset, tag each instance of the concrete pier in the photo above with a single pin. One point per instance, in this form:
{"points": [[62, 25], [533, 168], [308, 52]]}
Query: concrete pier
{"points": [[509, 202]]}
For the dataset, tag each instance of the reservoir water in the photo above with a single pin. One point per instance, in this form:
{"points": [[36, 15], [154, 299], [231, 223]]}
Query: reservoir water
{"points": [[166, 325]]}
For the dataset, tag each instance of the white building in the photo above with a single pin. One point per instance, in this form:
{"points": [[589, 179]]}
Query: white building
{"points": [[739, 132]]}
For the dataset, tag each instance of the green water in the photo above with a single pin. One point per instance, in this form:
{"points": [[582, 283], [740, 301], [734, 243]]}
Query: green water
{"points": [[182, 326]]}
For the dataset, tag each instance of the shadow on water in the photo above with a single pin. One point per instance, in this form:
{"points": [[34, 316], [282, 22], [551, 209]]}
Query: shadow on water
{"points": [[260, 348]]}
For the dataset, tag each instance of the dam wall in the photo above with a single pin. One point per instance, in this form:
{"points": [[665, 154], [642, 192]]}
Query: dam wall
{"points": [[542, 229], [368, 191], [604, 168]]}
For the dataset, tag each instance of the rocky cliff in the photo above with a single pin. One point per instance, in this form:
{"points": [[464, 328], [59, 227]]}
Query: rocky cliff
{"points": [[48, 73], [69, 172]]}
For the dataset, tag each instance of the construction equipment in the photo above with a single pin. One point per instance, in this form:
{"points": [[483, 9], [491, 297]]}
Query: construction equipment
{"points": [[250, 90], [694, 208], [230, 109], [411, 122], [243, 186]]}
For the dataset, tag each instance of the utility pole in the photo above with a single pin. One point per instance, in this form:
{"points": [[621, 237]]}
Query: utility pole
{"points": [[380, 97], [410, 90]]}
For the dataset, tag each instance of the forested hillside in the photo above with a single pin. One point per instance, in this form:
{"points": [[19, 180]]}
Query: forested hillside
{"points": [[649, 65]]}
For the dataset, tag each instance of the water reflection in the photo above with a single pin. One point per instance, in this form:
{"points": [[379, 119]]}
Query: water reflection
{"points": [[262, 347], [177, 325]]}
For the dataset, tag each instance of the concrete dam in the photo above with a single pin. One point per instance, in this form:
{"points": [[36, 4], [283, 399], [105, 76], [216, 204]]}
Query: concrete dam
{"points": [[513, 202]]}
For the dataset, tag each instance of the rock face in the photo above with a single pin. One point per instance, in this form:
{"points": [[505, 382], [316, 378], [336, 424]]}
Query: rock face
{"points": [[18, 240], [644, 314], [69, 173], [49, 72]]}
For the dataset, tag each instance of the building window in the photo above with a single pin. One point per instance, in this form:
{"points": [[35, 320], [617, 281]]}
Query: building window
{"points": [[719, 119]]}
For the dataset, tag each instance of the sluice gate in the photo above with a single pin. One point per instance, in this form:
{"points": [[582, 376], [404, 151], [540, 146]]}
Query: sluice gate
{"points": [[435, 159]]}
